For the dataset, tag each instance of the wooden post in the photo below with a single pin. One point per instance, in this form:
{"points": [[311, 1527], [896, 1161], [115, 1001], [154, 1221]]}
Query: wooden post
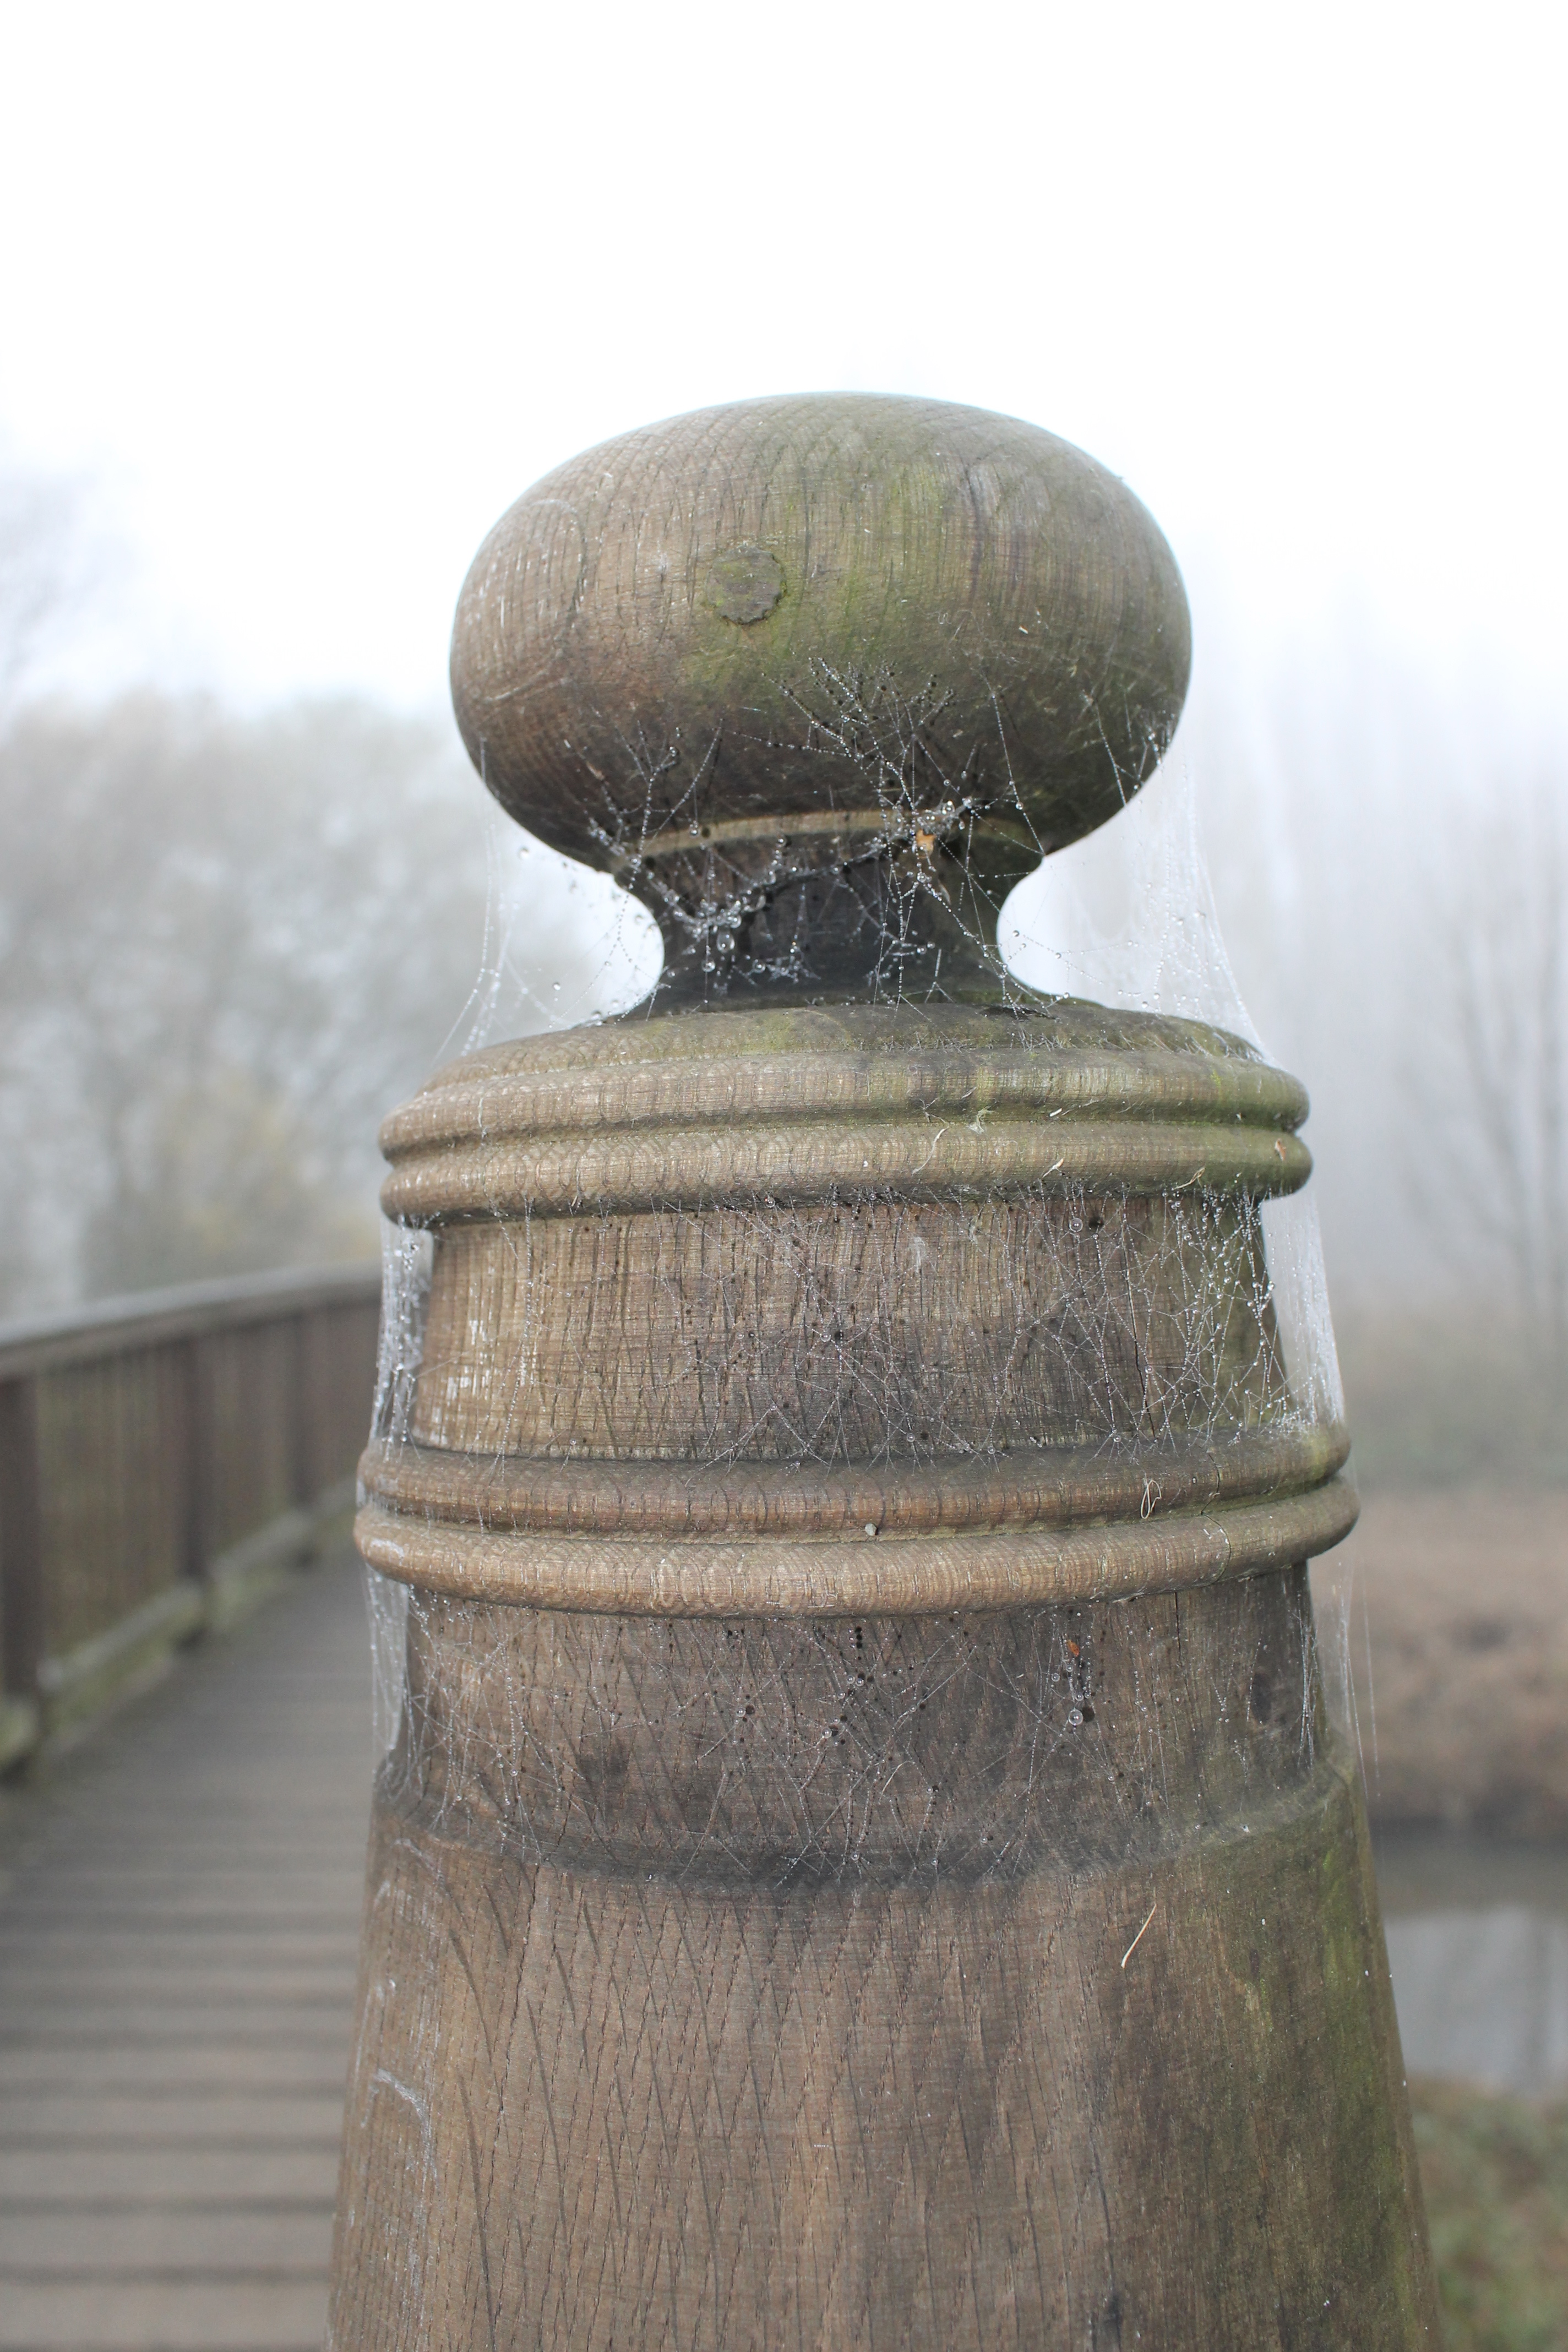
{"points": [[23, 1630], [311, 1404], [196, 1451], [863, 1861]]}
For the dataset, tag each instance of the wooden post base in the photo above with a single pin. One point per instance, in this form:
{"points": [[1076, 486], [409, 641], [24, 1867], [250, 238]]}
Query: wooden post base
{"points": [[937, 1982]]}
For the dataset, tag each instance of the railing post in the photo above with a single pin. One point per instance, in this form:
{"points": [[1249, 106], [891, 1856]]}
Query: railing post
{"points": [[194, 1458], [302, 1354], [863, 1860], [312, 1406], [22, 1605]]}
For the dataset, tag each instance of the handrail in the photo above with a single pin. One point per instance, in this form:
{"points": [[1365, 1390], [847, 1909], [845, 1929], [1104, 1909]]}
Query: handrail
{"points": [[163, 1459], [110, 1326]]}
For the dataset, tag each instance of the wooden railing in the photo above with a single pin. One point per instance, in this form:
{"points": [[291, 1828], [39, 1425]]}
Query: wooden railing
{"points": [[162, 1459]]}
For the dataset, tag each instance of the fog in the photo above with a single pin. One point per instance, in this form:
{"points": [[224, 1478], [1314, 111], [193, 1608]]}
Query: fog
{"points": [[310, 297], [294, 308], [231, 939]]}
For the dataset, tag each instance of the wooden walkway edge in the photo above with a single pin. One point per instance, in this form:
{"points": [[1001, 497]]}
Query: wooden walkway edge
{"points": [[179, 1911]]}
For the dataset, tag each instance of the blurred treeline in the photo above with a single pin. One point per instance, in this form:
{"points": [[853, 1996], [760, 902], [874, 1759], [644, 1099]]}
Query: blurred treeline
{"points": [[230, 941], [1389, 850], [229, 944]]}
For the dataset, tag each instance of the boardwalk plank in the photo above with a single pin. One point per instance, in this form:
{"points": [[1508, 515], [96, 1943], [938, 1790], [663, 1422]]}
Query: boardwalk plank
{"points": [[110, 2118], [247, 2024], [59, 1988], [188, 2242], [166, 2315], [214, 1945], [179, 1910], [297, 2067], [90, 2177], [131, 2025]]}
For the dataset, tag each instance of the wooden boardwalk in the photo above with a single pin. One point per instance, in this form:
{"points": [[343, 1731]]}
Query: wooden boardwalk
{"points": [[179, 1907], [179, 1904]]}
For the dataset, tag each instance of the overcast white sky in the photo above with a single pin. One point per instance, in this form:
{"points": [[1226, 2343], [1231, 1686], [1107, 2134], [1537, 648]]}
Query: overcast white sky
{"points": [[310, 294]]}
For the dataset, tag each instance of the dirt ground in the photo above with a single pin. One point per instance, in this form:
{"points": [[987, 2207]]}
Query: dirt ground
{"points": [[1456, 1607]]}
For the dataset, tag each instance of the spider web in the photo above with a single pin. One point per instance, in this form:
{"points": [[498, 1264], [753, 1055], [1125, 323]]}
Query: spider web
{"points": [[1115, 1322]]}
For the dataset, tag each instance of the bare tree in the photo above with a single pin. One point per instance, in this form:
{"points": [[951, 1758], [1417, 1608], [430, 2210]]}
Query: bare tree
{"points": [[1315, 784], [228, 946], [1490, 1051]]}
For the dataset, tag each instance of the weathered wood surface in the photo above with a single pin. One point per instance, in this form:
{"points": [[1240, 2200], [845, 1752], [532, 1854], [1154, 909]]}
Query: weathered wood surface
{"points": [[781, 1933], [752, 1974], [178, 1906], [737, 604], [796, 2111]]}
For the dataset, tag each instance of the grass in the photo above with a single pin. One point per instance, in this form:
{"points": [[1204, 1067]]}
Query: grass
{"points": [[1495, 2172]]}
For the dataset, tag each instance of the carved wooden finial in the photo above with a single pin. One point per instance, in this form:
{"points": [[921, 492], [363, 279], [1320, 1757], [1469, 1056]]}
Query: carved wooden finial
{"points": [[821, 677]]}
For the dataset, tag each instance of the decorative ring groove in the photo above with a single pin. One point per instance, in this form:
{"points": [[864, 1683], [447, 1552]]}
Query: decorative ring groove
{"points": [[789, 1165], [490, 1106], [1030, 1487], [901, 1576]]}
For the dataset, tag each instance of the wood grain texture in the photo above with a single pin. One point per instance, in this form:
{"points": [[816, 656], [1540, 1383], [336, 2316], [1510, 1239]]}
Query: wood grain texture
{"points": [[1030, 1486], [918, 569], [743, 1951], [870, 1329], [955, 1930], [1044, 1055], [682, 2055], [840, 1578]]}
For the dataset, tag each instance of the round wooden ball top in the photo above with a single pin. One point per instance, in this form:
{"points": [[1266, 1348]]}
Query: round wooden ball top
{"points": [[799, 608]]}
